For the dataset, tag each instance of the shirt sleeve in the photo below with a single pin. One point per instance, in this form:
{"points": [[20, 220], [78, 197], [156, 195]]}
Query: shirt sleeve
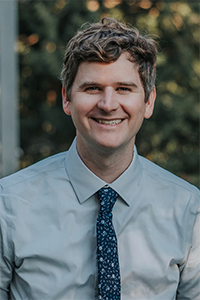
{"points": [[6, 268], [189, 287]]}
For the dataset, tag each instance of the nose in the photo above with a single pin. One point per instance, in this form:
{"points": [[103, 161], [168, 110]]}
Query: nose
{"points": [[108, 101]]}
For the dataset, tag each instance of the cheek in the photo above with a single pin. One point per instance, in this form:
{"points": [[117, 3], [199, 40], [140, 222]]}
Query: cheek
{"points": [[79, 113], [82, 107], [134, 108]]}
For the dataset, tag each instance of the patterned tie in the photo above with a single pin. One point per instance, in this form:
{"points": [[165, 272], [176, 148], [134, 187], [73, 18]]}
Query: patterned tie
{"points": [[107, 254]]}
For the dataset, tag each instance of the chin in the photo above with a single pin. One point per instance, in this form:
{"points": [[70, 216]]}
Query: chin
{"points": [[109, 146]]}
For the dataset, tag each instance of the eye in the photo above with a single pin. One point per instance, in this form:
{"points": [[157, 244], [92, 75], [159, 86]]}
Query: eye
{"points": [[92, 89], [124, 90]]}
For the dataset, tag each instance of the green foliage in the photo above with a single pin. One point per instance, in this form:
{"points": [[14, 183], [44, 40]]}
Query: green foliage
{"points": [[171, 137]]}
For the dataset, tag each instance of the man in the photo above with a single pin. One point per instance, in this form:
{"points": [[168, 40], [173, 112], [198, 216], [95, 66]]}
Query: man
{"points": [[99, 221]]}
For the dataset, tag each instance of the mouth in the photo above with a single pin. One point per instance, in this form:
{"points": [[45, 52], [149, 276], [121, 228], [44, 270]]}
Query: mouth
{"points": [[109, 122]]}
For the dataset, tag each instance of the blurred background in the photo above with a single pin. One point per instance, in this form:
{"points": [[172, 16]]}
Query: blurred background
{"points": [[169, 138]]}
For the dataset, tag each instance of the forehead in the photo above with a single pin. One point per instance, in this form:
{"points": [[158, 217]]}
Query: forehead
{"points": [[121, 69]]}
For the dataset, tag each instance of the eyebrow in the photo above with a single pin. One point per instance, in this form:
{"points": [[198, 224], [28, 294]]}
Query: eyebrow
{"points": [[121, 83], [127, 83], [88, 83]]}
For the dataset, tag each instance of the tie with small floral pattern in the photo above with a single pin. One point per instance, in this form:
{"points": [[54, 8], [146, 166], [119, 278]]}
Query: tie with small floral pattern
{"points": [[107, 254]]}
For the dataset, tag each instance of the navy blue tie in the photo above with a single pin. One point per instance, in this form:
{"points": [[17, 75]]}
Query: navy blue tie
{"points": [[107, 254]]}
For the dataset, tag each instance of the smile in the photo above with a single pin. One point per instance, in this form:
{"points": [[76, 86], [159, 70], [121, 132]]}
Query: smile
{"points": [[107, 122]]}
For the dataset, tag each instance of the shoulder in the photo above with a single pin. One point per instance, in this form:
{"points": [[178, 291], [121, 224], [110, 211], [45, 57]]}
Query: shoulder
{"points": [[164, 179], [45, 168]]}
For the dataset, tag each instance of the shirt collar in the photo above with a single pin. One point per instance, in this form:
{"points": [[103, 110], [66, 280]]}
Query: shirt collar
{"points": [[85, 183]]}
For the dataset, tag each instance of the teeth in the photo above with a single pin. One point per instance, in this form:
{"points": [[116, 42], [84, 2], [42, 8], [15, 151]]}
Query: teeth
{"points": [[112, 122]]}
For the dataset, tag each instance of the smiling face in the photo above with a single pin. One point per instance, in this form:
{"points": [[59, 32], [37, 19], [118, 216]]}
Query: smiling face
{"points": [[107, 105]]}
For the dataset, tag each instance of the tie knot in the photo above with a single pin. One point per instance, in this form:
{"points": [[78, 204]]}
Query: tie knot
{"points": [[107, 197]]}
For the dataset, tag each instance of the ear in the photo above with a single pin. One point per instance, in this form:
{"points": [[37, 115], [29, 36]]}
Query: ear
{"points": [[150, 104], [65, 102]]}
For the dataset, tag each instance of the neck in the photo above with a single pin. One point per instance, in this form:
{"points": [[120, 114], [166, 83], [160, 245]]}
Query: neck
{"points": [[107, 165]]}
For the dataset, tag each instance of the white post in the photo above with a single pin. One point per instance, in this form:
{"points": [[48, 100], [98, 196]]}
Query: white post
{"points": [[9, 121]]}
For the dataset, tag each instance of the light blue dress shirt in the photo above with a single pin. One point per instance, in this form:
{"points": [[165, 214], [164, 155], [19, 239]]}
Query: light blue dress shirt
{"points": [[48, 232]]}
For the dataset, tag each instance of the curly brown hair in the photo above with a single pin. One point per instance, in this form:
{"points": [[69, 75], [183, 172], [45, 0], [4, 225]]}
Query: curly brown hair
{"points": [[104, 42]]}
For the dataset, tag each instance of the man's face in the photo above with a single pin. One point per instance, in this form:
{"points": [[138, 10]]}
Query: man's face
{"points": [[107, 104]]}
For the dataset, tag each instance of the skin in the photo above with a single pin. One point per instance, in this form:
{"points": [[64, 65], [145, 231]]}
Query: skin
{"points": [[107, 107]]}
